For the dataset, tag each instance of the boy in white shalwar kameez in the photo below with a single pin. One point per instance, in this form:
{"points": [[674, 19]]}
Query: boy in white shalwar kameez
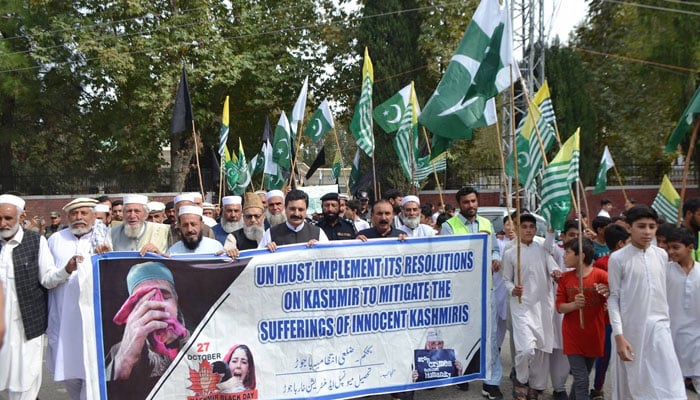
{"points": [[683, 288], [646, 366], [533, 330]]}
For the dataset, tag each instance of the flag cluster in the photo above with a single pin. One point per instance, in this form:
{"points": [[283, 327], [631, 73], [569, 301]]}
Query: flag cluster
{"points": [[557, 180]]}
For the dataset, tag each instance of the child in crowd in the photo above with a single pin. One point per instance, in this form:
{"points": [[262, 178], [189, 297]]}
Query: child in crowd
{"points": [[533, 330], [662, 233], [646, 366], [599, 246], [683, 288], [582, 344], [616, 237]]}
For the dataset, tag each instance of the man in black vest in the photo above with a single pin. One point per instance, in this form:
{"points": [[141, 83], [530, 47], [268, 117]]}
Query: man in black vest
{"points": [[334, 225], [27, 270], [295, 229], [382, 216], [253, 229]]}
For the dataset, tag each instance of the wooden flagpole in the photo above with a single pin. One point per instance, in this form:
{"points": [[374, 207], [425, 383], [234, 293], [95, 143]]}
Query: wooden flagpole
{"points": [[686, 169], [292, 175], [337, 143], [580, 255], [437, 178], [196, 154], [221, 178], [517, 183]]}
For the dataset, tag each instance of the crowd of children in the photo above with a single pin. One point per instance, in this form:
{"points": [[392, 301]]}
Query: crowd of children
{"points": [[611, 296]]}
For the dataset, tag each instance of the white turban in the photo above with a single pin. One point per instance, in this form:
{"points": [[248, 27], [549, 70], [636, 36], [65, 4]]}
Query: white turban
{"points": [[12, 199], [410, 198]]}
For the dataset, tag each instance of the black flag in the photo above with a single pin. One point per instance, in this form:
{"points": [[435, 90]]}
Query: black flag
{"points": [[182, 113], [318, 162]]}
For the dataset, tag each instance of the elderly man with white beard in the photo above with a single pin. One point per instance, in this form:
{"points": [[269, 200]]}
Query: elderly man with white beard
{"points": [[83, 238], [190, 224], [410, 208], [251, 234], [275, 215], [27, 270], [230, 219], [137, 234]]}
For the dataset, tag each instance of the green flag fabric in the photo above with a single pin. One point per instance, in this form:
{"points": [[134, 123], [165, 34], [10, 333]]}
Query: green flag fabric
{"points": [[230, 170], [337, 165], [242, 171], [282, 145], [667, 201], [321, 122], [406, 140], [557, 180], [426, 167], [684, 123], [223, 131], [527, 143], [388, 114], [361, 124], [601, 180], [479, 70]]}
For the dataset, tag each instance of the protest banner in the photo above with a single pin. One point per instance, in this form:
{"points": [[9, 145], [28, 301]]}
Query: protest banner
{"points": [[338, 320]]}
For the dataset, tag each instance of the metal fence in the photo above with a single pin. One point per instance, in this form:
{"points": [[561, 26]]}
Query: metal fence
{"points": [[483, 178]]}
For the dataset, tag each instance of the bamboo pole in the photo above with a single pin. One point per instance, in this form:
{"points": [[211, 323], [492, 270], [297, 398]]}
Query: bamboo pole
{"points": [[196, 154], [686, 169], [292, 175], [517, 185], [580, 255]]}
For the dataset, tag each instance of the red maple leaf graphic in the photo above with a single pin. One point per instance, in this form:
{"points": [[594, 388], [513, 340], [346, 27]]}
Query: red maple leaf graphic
{"points": [[203, 381]]}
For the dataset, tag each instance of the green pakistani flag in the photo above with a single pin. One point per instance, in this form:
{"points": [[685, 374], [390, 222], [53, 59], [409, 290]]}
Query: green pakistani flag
{"points": [[557, 180], [282, 143], [242, 171], [479, 70], [321, 122], [684, 123], [527, 142], [361, 124], [337, 165], [388, 114], [667, 201], [601, 180]]}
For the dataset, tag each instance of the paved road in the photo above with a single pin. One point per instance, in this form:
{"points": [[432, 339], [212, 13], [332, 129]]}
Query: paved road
{"points": [[51, 390]]}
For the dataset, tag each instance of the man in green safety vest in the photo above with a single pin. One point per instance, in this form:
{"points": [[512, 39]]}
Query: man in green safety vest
{"points": [[465, 222]]}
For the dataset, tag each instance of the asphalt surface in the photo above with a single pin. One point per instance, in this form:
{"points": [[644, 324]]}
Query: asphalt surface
{"points": [[51, 390]]}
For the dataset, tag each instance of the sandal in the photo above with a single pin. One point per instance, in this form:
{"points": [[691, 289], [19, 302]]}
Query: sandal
{"points": [[532, 394], [520, 390]]}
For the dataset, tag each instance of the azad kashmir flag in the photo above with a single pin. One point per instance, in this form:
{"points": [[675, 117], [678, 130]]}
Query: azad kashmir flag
{"points": [[426, 166], [667, 201], [321, 122], [223, 132], [406, 140], [601, 180], [361, 124], [684, 123], [527, 144], [479, 70], [557, 180]]}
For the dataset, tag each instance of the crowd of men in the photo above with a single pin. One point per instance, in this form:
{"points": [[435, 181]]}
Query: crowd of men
{"points": [[41, 288]]}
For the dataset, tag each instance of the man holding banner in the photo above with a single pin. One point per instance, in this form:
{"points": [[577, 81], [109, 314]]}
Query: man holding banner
{"points": [[295, 229]]}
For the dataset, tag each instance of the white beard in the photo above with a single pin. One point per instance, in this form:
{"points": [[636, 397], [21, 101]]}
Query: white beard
{"points": [[254, 232], [8, 233], [275, 219], [132, 232], [229, 227], [412, 222]]}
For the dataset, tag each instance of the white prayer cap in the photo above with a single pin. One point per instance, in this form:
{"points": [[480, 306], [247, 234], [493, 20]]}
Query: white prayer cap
{"points": [[190, 210], [232, 200], [183, 197], [208, 206], [433, 336], [101, 208], [410, 198], [136, 199], [13, 200], [80, 202], [156, 206], [344, 196], [196, 195], [274, 193]]}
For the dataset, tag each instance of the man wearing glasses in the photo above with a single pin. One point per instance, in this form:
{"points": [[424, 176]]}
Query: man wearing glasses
{"points": [[253, 229]]}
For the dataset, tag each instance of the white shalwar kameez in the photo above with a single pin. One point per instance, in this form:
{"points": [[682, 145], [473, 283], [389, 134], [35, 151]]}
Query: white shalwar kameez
{"points": [[421, 230], [20, 359], [65, 330], [533, 331], [684, 307], [638, 310]]}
